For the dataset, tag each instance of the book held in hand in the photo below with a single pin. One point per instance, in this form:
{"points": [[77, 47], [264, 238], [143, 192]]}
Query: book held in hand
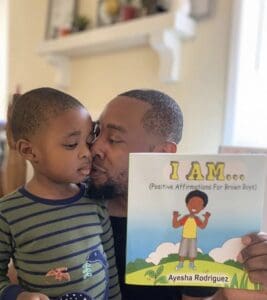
{"points": [[186, 217]]}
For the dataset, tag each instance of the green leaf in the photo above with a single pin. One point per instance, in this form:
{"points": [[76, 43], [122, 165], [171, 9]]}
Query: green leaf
{"points": [[150, 273], [159, 271]]}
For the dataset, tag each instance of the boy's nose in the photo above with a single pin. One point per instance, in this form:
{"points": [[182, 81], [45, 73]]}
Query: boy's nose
{"points": [[85, 152]]}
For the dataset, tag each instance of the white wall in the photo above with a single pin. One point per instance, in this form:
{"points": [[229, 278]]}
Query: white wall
{"points": [[97, 79], [3, 57]]}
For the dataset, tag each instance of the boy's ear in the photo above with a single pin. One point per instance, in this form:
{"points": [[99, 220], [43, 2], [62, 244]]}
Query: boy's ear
{"points": [[167, 147], [25, 149]]}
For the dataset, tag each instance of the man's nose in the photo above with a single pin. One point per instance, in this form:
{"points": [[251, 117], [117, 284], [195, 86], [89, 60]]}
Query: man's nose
{"points": [[98, 148]]}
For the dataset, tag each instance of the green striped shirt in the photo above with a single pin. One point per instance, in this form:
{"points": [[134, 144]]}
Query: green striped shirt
{"points": [[58, 246]]}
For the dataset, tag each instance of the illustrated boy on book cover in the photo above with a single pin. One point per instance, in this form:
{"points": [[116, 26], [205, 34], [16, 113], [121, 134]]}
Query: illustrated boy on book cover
{"points": [[196, 201]]}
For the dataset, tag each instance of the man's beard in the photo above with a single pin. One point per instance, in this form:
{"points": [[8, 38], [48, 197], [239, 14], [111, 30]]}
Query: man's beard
{"points": [[109, 190]]}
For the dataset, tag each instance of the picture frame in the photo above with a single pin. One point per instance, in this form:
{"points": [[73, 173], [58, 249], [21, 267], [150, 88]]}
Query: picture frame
{"points": [[61, 14]]}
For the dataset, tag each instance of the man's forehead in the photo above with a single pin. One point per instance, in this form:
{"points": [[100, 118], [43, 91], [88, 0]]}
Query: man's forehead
{"points": [[123, 106]]}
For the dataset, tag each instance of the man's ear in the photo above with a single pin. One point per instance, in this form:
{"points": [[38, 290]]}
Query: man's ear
{"points": [[25, 149], [167, 147]]}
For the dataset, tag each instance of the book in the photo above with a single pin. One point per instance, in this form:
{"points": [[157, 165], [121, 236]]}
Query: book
{"points": [[245, 149], [186, 217]]}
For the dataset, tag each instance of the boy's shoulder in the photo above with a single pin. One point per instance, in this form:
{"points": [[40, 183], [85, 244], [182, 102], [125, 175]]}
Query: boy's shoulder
{"points": [[5, 201]]}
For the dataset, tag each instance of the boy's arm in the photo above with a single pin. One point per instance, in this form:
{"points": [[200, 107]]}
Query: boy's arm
{"points": [[7, 291], [177, 222], [202, 224], [108, 246]]}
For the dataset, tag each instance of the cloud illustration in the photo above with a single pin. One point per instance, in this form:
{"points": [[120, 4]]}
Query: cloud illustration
{"points": [[229, 250], [163, 250]]}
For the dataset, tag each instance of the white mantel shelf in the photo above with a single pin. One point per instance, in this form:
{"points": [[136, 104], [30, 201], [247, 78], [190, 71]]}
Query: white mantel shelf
{"points": [[163, 32]]}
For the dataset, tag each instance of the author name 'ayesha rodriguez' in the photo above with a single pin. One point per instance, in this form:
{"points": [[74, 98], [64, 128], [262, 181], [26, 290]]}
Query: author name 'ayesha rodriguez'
{"points": [[211, 278]]}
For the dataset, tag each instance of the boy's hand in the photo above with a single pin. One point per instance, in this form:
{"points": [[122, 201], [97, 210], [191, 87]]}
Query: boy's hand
{"points": [[32, 296], [176, 214], [206, 215], [9, 136]]}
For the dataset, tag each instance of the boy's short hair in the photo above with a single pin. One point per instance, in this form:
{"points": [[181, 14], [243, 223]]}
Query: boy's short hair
{"points": [[36, 107], [197, 193]]}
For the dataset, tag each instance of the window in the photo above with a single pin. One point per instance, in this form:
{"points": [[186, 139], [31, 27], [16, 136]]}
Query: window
{"points": [[246, 110], [3, 58]]}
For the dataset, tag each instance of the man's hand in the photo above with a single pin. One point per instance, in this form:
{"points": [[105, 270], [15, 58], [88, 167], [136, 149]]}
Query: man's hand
{"points": [[236, 294], [254, 257], [32, 296]]}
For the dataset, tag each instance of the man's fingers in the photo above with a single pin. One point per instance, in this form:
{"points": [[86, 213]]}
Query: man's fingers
{"points": [[254, 257], [255, 251], [258, 263], [259, 277], [257, 245], [236, 294], [254, 238]]}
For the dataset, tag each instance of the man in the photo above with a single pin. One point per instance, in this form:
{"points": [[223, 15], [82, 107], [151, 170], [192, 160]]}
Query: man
{"points": [[150, 121], [147, 121]]}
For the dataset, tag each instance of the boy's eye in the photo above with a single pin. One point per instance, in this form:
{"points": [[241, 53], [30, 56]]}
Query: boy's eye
{"points": [[70, 146]]}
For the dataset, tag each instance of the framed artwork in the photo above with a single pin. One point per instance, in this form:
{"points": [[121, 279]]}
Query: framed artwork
{"points": [[61, 14]]}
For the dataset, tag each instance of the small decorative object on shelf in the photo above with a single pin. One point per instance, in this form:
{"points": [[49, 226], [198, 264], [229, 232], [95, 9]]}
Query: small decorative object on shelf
{"points": [[80, 23], [108, 12], [61, 14], [129, 10], [149, 7]]}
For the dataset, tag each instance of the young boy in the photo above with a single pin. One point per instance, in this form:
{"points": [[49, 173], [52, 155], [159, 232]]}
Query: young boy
{"points": [[54, 234], [196, 201]]}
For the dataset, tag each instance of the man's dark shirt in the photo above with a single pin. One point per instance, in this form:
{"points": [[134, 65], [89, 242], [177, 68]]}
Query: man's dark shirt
{"points": [[134, 292]]}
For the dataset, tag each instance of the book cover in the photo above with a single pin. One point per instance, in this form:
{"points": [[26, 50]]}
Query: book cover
{"points": [[186, 217]]}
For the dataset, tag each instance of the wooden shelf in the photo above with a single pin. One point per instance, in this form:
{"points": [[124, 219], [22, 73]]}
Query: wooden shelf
{"points": [[163, 32]]}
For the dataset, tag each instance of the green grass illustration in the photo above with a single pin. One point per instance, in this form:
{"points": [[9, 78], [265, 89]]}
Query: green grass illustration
{"points": [[163, 274]]}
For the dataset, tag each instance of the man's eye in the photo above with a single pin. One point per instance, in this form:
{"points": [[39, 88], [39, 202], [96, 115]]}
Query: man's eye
{"points": [[70, 146], [112, 141]]}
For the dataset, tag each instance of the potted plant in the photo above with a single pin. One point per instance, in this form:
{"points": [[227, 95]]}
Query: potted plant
{"points": [[80, 23]]}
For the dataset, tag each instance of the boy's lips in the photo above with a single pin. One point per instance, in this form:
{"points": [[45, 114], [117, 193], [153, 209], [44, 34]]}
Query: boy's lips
{"points": [[85, 169]]}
